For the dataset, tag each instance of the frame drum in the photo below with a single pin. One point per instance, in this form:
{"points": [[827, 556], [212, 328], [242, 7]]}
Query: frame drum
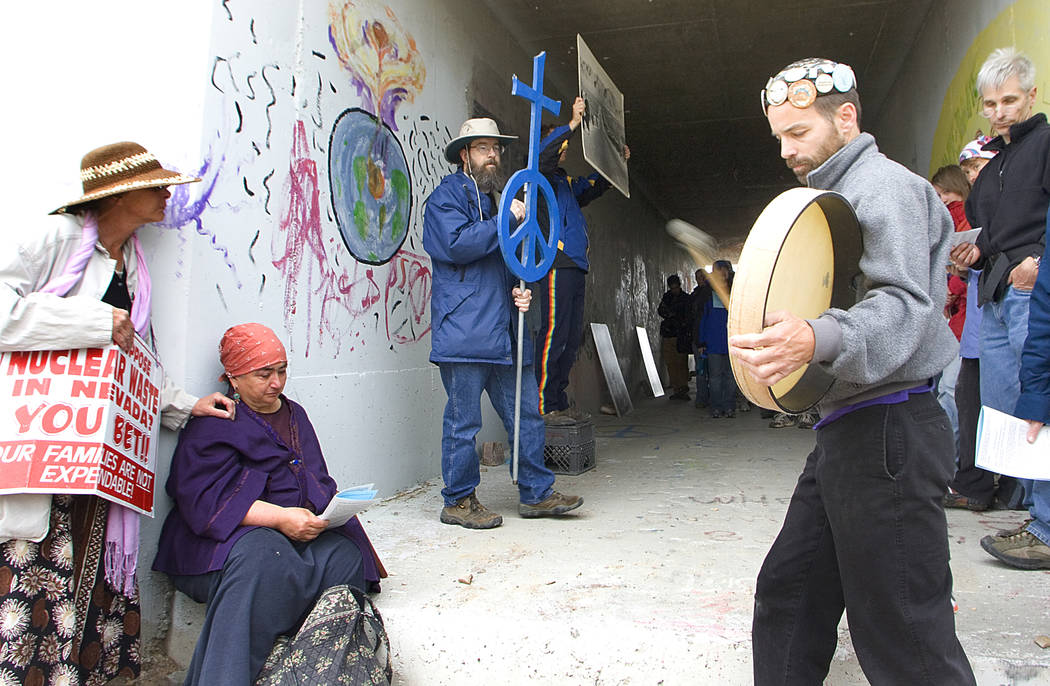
{"points": [[802, 255]]}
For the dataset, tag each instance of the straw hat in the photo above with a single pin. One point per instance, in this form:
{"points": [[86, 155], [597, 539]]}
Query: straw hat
{"points": [[471, 130], [119, 168]]}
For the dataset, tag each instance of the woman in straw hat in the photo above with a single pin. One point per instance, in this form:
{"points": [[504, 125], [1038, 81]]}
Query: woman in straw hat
{"points": [[70, 610]]}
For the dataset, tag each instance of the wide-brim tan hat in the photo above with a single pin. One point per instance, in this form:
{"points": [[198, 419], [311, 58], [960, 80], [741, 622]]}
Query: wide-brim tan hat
{"points": [[471, 130], [119, 168]]}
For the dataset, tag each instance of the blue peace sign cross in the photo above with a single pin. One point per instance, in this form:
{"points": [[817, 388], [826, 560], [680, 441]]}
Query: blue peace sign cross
{"points": [[518, 245]]}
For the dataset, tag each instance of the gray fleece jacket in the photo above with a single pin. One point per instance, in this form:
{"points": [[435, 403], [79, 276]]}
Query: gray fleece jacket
{"points": [[895, 337]]}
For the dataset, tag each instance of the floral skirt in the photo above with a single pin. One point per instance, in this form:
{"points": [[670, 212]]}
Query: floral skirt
{"points": [[60, 623]]}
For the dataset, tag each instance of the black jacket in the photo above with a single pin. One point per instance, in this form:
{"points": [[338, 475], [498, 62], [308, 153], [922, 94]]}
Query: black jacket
{"points": [[1009, 202]]}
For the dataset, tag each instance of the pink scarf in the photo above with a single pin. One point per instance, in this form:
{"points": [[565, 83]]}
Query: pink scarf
{"points": [[122, 524]]}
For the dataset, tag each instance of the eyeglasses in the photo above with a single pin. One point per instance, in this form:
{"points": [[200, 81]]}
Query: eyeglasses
{"points": [[1010, 104], [486, 149]]}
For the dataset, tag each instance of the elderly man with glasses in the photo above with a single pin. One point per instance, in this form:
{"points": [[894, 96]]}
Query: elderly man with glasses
{"points": [[1009, 201], [473, 340]]}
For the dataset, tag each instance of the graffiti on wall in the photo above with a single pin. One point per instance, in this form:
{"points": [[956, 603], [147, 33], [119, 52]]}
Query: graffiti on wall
{"points": [[368, 173], [344, 238]]}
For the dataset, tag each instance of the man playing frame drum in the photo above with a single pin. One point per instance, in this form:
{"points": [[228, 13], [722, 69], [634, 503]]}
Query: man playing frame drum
{"points": [[865, 530]]}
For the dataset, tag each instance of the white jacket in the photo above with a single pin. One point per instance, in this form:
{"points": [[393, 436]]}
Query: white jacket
{"points": [[30, 320]]}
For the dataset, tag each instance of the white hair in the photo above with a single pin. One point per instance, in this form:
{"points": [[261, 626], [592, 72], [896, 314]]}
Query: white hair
{"points": [[1001, 65]]}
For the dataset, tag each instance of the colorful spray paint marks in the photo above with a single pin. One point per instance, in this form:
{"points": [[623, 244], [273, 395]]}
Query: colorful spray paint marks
{"points": [[370, 184], [334, 299], [186, 207], [347, 271], [379, 53]]}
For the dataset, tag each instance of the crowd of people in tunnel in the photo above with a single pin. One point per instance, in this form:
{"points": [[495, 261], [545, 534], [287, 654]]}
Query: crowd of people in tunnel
{"points": [[249, 480]]}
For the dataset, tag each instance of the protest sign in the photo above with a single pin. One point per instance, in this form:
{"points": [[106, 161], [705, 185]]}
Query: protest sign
{"points": [[603, 126], [81, 421]]}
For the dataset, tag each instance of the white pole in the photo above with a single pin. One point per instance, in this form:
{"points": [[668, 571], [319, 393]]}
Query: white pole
{"points": [[517, 389]]}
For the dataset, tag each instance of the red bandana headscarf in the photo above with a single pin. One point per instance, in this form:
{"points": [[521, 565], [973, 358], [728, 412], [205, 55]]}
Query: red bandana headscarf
{"points": [[247, 347]]}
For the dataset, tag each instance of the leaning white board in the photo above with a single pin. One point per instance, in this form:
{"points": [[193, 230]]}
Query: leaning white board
{"points": [[611, 369], [650, 363], [603, 130]]}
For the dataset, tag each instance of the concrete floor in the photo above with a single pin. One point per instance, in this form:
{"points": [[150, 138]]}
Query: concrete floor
{"points": [[652, 581]]}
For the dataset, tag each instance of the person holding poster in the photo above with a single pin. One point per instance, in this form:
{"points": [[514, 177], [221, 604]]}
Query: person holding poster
{"points": [[82, 282], [244, 535], [561, 293]]}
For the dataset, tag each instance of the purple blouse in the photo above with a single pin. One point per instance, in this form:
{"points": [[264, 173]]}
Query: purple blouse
{"points": [[220, 467]]}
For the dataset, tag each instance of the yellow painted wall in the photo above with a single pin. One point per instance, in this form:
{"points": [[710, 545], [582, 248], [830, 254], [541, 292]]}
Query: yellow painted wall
{"points": [[1023, 24]]}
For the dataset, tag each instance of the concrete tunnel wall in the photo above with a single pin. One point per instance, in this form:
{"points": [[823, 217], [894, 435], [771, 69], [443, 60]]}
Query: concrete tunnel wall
{"points": [[247, 95]]}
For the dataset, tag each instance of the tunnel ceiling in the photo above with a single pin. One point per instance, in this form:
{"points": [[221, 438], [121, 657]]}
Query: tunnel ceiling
{"points": [[691, 72]]}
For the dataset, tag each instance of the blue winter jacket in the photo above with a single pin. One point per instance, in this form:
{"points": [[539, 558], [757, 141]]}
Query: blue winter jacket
{"points": [[1034, 402], [714, 332], [472, 313], [572, 193]]}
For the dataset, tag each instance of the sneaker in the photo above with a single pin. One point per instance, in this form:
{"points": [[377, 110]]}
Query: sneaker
{"points": [[729, 414], [783, 420], [1021, 550], [470, 513], [716, 414], [962, 502], [680, 395], [808, 419], [554, 504], [558, 418]]}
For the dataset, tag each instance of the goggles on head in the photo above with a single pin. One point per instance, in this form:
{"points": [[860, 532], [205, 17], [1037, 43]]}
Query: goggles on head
{"points": [[802, 82]]}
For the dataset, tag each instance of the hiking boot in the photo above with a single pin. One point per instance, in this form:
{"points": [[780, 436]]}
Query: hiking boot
{"points": [[470, 513], [1021, 550], [1003, 533], [558, 418], [554, 504], [783, 420], [962, 502]]}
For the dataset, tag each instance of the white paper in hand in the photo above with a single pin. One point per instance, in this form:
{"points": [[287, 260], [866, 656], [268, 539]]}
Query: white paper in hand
{"points": [[960, 237], [1003, 447], [348, 503]]}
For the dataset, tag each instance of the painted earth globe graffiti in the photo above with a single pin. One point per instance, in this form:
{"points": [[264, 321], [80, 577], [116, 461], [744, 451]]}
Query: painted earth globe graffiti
{"points": [[370, 186]]}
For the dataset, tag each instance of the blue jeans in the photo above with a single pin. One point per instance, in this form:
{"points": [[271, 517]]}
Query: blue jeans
{"points": [[873, 482], [1004, 329], [464, 382], [723, 387], [946, 397]]}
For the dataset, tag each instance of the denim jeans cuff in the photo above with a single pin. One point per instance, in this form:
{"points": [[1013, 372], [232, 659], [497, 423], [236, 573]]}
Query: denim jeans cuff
{"points": [[545, 495], [1040, 530]]}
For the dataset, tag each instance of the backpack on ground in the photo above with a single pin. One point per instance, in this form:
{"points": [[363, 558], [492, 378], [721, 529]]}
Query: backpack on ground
{"points": [[342, 641]]}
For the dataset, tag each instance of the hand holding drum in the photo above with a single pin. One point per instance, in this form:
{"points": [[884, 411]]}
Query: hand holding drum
{"points": [[800, 259]]}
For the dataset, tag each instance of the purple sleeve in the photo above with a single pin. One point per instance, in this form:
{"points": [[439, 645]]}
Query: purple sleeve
{"points": [[210, 485]]}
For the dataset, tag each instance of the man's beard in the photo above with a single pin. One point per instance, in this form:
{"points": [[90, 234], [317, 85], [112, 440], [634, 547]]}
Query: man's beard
{"points": [[830, 146], [489, 178]]}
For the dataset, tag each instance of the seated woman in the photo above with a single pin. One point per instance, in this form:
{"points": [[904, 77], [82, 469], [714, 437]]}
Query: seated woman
{"points": [[244, 535]]}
